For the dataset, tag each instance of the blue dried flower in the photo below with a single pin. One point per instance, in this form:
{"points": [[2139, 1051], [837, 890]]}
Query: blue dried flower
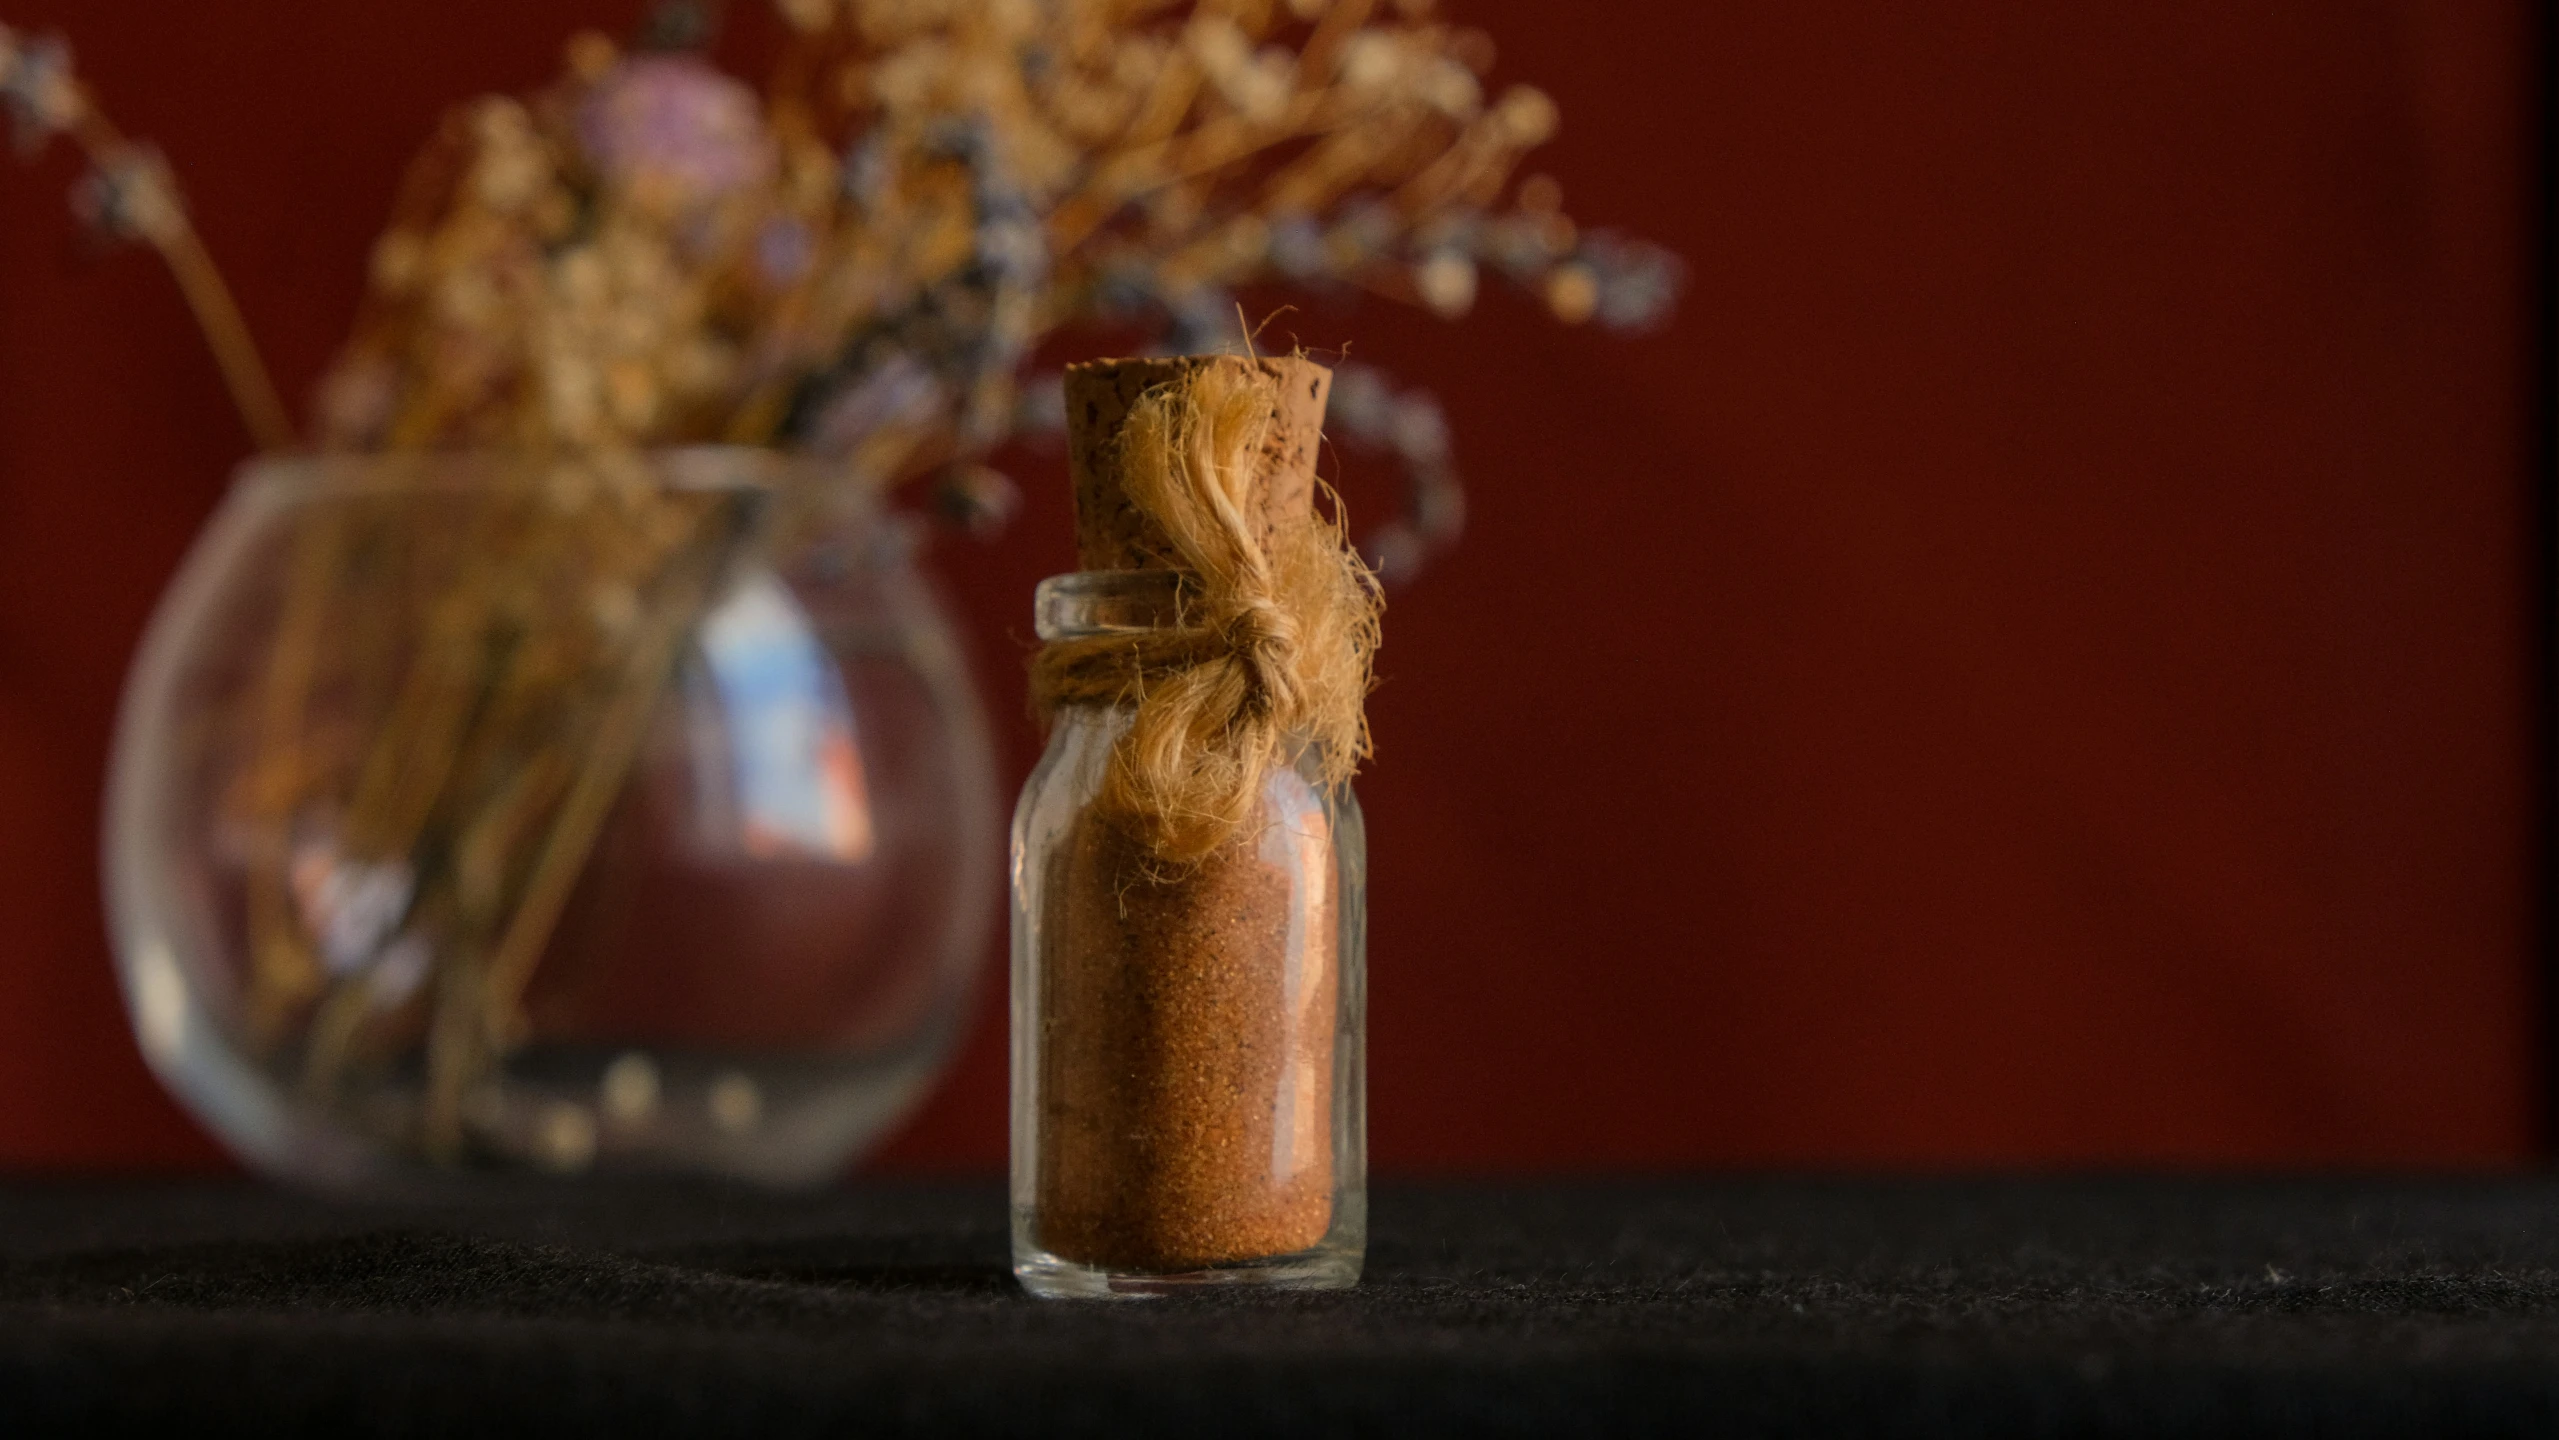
{"points": [[1363, 235], [1459, 230], [1203, 323], [1126, 289], [1297, 247], [869, 171], [1517, 243], [1361, 404], [37, 87], [1418, 431], [1366, 411], [979, 497], [1638, 283], [1014, 249], [131, 195], [1040, 408], [897, 390]]}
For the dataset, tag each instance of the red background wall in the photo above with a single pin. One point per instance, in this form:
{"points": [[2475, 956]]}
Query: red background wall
{"points": [[2033, 666]]}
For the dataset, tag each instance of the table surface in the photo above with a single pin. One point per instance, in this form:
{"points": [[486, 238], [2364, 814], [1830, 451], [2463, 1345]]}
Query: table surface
{"points": [[1733, 1306]]}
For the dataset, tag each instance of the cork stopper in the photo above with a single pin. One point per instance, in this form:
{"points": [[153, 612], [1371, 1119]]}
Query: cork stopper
{"points": [[1110, 534]]}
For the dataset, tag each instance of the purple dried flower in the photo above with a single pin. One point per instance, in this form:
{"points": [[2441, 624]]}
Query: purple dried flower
{"points": [[897, 390], [783, 250], [673, 121]]}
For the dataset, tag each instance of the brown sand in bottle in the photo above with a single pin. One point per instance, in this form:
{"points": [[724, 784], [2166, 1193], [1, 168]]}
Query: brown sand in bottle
{"points": [[1186, 1075]]}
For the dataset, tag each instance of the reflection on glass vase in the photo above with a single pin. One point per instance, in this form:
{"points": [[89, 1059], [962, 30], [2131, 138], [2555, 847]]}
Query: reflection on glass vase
{"points": [[480, 812]]}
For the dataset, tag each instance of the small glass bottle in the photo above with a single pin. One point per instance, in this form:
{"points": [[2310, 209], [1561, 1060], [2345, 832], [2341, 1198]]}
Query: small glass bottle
{"points": [[1189, 1103]]}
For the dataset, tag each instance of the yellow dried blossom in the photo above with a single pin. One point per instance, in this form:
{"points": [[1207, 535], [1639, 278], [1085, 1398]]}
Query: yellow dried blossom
{"points": [[944, 183]]}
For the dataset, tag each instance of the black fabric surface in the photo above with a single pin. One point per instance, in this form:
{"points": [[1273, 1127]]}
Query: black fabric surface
{"points": [[1735, 1307]]}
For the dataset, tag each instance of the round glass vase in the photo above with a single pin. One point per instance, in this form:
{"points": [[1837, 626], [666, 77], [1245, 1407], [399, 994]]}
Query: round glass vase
{"points": [[1189, 1093], [484, 813]]}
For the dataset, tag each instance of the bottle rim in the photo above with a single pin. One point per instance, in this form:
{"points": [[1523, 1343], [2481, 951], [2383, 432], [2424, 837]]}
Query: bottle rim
{"points": [[1090, 603]]}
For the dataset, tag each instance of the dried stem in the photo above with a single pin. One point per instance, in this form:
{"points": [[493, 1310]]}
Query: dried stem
{"points": [[217, 315]]}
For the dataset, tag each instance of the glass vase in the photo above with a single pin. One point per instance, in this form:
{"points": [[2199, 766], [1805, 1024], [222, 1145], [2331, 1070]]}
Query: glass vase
{"points": [[489, 813], [1189, 1100]]}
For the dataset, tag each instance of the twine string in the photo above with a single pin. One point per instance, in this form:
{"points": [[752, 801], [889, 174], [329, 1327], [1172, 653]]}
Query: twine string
{"points": [[1272, 644]]}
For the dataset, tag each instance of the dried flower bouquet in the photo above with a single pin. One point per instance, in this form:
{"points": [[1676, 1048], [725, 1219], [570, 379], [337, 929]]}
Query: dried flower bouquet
{"points": [[857, 263]]}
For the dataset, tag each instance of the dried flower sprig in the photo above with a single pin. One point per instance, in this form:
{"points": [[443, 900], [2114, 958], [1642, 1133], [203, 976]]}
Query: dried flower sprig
{"points": [[129, 194]]}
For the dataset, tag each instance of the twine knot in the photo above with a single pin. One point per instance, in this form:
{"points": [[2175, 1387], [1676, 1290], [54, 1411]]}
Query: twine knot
{"points": [[1263, 636], [1271, 649]]}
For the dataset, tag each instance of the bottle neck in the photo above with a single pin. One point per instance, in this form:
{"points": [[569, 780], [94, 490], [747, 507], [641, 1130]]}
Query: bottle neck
{"points": [[1093, 603]]}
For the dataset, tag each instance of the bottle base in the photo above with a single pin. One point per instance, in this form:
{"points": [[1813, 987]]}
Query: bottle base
{"points": [[1053, 1277]]}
